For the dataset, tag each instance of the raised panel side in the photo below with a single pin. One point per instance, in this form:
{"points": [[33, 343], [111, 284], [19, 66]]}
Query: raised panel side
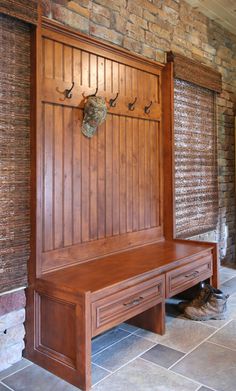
{"points": [[57, 329]]}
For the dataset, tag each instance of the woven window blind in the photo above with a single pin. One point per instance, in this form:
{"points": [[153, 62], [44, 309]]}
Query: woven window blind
{"points": [[14, 152], [196, 188], [26, 10]]}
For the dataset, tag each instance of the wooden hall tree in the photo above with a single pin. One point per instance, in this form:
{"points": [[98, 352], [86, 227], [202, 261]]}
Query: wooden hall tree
{"points": [[103, 250]]}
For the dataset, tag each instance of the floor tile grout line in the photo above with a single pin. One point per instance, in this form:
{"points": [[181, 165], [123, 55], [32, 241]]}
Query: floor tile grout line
{"points": [[128, 362], [154, 344], [162, 343], [122, 366], [151, 340], [225, 282], [5, 385], [227, 320], [185, 377], [101, 351], [114, 343], [227, 268], [104, 378], [231, 271], [138, 356], [205, 324], [131, 332], [178, 374], [221, 346], [227, 272], [14, 372], [204, 340], [99, 366]]}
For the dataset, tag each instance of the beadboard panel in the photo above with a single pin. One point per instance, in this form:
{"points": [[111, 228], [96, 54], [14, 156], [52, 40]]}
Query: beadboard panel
{"points": [[99, 187], [104, 192]]}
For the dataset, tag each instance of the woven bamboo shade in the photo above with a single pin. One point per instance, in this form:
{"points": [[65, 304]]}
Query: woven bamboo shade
{"points": [[195, 159], [14, 152], [25, 10], [194, 72]]}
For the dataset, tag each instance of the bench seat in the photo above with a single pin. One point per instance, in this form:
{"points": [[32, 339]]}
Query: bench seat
{"points": [[79, 302]]}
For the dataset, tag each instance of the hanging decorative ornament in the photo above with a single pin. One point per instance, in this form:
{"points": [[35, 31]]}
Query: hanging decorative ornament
{"points": [[95, 111]]}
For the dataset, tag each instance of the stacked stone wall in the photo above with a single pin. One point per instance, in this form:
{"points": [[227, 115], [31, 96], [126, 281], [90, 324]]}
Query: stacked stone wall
{"points": [[12, 331]]}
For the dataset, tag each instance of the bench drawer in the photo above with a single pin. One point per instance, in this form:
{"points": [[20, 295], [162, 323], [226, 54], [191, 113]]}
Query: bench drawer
{"points": [[125, 304], [185, 277]]}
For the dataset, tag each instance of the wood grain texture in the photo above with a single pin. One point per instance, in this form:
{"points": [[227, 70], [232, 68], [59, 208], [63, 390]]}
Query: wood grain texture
{"points": [[76, 171], [153, 258], [194, 72], [70, 360], [103, 208], [63, 315], [168, 150], [108, 185], [114, 308]]}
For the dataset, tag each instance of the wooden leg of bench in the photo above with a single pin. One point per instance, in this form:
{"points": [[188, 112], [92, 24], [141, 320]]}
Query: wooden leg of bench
{"points": [[83, 356], [152, 319]]}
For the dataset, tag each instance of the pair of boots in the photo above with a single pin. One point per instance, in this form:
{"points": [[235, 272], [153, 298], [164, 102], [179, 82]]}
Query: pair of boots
{"points": [[210, 303]]}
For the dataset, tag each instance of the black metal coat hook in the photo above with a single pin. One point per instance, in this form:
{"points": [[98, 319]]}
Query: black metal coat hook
{"points": [[131, 106], [147, 108], [112, 102], [95, 92], [88, 96], [68, 93]]}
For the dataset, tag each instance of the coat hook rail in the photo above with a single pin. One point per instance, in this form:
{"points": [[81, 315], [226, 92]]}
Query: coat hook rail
{"points": [[147, 108], [112, 102], [131, 106], [68, 93]]}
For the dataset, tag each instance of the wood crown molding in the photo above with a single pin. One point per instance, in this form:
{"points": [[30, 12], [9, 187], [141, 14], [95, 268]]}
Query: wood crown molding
{"points": [[195, 72], [85, 39]]}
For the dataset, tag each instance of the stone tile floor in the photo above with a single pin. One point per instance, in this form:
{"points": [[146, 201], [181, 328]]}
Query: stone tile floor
{"points": [[191, 356]]}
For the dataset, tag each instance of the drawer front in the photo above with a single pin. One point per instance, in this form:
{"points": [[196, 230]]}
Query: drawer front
{"points": [[118, 307], [189, 275]]}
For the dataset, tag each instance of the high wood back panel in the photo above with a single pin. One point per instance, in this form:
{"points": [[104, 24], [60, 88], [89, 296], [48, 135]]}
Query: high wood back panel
{"points": [[103, 194]]}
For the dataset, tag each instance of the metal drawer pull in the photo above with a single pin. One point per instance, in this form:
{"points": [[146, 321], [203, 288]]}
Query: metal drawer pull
{"points": [[194, 274], [133, 302]]}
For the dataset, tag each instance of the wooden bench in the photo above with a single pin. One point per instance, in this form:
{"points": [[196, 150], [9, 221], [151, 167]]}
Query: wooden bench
{"points": [[77, 303], [103, 248]]}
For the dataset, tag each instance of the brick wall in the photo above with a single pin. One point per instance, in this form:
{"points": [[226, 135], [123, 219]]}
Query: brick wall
{"points": [[152, 27]]}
